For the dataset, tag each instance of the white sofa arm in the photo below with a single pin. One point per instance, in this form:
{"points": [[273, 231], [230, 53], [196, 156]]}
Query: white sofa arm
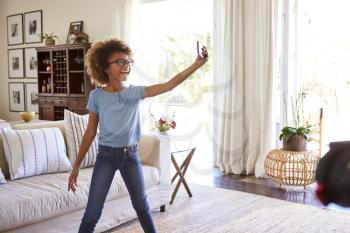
{"points": [[154, 150]]}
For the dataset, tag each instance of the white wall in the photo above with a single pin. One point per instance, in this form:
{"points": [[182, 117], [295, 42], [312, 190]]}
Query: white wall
{"points": [[98, 23]]}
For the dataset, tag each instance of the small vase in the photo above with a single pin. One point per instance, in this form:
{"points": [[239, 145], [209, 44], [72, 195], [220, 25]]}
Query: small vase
{"points": [[164, 133], [49, 42]]}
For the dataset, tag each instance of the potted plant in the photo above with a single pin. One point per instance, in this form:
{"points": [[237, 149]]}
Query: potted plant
{"points": [[295, 137], [49, 39]]}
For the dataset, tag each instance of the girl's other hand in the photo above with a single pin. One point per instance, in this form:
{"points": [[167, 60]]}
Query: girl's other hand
{"points": [[72, 182]]}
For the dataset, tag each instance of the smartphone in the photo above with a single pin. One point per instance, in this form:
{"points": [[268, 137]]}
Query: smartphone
{"points": [[199, 50]]}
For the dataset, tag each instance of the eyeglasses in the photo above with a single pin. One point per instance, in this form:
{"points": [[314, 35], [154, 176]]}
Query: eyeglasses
{"points": [[123, 62]]}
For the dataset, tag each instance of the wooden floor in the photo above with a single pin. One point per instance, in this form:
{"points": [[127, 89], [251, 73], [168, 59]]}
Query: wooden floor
{"points": [[251, 184]]}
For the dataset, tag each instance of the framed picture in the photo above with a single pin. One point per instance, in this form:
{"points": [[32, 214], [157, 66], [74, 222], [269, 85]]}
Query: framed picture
{"points": [[33, 26], [15, 29], [31, 97], [15, 63], [74, 27], [16, 97], [30, 63]]}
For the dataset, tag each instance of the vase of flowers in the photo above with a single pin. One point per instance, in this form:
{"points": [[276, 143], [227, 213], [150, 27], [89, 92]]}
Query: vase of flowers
{"points": [[163, 124]]}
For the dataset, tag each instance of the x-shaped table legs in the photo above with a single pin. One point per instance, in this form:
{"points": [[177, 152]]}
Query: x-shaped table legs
{"points": [[181, 171]]}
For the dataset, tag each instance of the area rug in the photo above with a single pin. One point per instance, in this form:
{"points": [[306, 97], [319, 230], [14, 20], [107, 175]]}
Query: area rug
{"points": [[218, 210]]}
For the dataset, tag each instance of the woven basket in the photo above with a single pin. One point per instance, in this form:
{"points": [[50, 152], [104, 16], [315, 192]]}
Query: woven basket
{"points": [[296, 168]]}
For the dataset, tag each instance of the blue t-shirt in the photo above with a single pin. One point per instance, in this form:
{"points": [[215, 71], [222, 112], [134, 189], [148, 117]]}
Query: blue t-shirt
{"points": [[118, 114]]}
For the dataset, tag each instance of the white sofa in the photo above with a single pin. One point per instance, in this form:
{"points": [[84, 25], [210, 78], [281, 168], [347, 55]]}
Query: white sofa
{"points": [[43, 204]]}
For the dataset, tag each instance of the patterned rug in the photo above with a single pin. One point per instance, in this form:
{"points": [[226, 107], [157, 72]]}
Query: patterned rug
{"points": [[217, 210]]}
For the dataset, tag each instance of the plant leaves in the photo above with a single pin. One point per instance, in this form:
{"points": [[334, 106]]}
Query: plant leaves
{"points": [[288, 131]]}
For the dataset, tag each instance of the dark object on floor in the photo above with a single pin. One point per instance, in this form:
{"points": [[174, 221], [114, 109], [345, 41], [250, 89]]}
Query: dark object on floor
{"points": [[333, 175]]}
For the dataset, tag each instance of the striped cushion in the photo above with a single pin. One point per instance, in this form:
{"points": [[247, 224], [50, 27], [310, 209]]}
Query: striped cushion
{"points": [[75, 126], [3, 124], [34, 152], [2, 178]]}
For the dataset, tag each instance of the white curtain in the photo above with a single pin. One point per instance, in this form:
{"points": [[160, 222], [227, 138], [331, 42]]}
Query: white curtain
{"points": [[123, 10], [242, 84]]}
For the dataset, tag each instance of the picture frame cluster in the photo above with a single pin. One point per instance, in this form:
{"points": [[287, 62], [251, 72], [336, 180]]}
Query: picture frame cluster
{"points": [[23, 96], [23, 28], [22, 63]]}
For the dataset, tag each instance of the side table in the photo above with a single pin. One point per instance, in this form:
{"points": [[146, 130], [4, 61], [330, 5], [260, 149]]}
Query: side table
{"points": [[181, 171], [296, 168]]}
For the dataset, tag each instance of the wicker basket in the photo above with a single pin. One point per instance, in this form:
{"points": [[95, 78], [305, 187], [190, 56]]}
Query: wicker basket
{"points": [[296, 168]]}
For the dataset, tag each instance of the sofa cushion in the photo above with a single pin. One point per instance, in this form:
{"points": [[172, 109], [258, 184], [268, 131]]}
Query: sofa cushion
{"points": [[2, 178], [3, 163], [34, 199], [34, 152], [29, 125], [75, 126]]}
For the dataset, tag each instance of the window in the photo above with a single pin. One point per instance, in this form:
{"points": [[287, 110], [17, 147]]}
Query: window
{"points": [[323, 58], [316, 48], [164, 41]]}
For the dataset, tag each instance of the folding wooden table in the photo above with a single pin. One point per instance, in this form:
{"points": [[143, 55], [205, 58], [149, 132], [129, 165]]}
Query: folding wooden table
{"points": [[181, 171]]}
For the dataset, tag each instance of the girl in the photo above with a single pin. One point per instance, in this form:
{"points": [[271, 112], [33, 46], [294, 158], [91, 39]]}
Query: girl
{"points": [[116, 108]]}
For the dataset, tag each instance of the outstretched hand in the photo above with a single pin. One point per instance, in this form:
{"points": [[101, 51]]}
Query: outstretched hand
{"points": [[202, 57]]}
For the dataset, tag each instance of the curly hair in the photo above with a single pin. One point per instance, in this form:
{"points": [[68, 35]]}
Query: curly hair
{"points": [[98, 55]]}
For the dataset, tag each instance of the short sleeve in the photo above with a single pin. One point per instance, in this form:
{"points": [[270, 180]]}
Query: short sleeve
{"points": [[91, 105], [137, 92]]}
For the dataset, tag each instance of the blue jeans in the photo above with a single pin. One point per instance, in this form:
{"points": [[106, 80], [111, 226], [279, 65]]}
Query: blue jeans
{"points": [[108, 161]]}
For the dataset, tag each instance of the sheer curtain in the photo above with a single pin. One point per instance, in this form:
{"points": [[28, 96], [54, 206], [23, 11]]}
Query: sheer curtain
{"points": [[122, 22], [243, 84]]}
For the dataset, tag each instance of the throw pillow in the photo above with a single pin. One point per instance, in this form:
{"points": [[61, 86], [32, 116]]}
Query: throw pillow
{"points": [[75, 126], [2, 178], [4, 170], [34, 152]]}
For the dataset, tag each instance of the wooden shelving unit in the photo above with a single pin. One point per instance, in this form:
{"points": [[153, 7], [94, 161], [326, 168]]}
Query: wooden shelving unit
{"points": [[62, 80]]}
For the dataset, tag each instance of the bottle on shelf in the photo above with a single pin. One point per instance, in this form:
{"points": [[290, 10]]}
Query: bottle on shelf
{"points": [[82, 89], [43, 86], [48, 86]]}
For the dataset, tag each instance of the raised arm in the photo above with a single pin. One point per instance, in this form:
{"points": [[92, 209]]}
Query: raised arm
{"points": [[161, 88]]}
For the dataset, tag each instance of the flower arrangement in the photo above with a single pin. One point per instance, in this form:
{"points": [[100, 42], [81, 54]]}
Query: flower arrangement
{"points": [[164, 123]]}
